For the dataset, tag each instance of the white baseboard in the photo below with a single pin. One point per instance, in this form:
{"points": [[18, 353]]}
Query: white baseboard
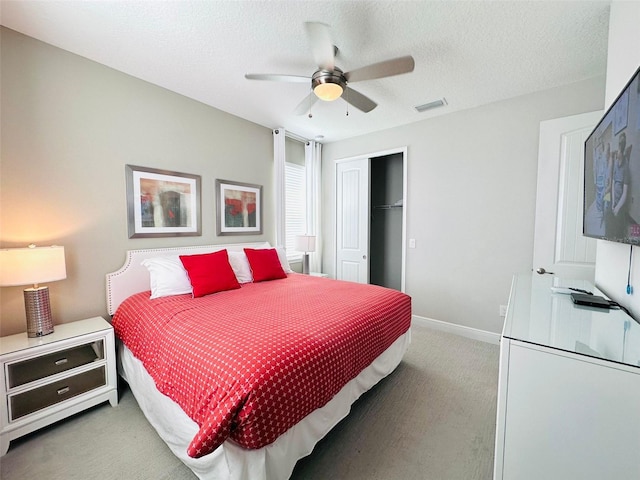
{"points": [[463, 331]]}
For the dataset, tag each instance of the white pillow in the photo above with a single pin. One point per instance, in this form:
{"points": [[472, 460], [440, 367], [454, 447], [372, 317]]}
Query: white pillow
{"points": [[240, 265], [282, 255], [167, 276], [242, 269]]}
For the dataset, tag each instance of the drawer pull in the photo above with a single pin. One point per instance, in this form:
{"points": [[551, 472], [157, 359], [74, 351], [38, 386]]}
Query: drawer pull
{"points": [[62, 361], [62, 391]]}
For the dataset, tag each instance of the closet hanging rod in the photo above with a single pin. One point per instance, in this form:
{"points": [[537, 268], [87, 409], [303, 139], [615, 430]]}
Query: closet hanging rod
{"points": [[386, 207]]}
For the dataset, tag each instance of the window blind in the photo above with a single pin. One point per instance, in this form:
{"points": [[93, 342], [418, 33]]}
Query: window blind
{"points": [[295, 207]]}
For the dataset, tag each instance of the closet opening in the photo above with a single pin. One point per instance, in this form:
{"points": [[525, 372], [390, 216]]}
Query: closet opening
{"points": [[371, 218], [385, 227]]}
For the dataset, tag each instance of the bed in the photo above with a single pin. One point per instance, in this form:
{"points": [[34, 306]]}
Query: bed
{"points": [[232, 427]]}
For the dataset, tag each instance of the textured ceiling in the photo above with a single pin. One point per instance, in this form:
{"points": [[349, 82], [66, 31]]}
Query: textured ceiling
{"points": [[472, 53]]}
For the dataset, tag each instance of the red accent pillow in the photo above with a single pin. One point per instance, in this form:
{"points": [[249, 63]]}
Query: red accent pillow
{"points": [[265, 264], [209, 273]]}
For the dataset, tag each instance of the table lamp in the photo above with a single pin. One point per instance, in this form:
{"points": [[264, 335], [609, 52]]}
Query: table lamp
{"points": [[34, 265], [305, 244]]}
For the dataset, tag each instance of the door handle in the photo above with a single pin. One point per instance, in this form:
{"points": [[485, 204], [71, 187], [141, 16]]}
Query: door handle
{"points": [[542, 271], [364, 257]]}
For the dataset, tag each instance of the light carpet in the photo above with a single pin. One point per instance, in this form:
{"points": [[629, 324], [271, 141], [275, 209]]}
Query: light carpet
{"points": [[432, 419]]}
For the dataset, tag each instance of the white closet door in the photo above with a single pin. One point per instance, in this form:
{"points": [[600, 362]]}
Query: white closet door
{"points": [[352, 220]]}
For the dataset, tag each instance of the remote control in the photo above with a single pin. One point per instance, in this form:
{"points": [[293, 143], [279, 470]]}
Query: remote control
{"points": [[569, 290], [565, 290]]}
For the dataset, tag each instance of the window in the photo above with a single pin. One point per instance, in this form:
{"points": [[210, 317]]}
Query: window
{"points": [[295, 207], [297, 191]]}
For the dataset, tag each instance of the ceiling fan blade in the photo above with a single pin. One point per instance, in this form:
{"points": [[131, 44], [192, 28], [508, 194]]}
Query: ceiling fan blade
{"points": [[321, 45], [277, 77], [305, 105], [388, 68], [358, 100]]}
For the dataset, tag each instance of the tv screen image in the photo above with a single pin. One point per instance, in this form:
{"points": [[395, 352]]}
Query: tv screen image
{"points": [[612, 171]]}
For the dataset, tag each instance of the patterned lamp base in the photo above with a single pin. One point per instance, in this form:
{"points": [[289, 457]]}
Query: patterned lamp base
{"points": [[39, 319]]}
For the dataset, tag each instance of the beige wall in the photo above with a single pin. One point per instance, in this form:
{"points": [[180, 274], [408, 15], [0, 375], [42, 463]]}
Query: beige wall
{"points": [[68, 128], [470, 199]]}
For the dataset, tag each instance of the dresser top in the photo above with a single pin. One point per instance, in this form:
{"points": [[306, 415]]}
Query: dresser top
{"points": [[539, 316], [64, 331]]}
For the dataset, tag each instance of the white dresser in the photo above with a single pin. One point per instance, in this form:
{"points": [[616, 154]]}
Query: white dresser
{"points": [[569, 387]]}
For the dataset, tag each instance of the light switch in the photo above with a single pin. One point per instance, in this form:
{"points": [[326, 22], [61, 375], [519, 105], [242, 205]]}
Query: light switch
{"points": [[412, 243]]}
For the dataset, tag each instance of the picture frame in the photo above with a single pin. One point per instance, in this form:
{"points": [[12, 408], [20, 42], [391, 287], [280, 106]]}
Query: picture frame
{"points": [[239, 208], [162, 203]]}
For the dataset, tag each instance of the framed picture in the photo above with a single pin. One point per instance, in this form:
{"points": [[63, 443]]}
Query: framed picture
{"points": [[161, 203], [239, 209]]}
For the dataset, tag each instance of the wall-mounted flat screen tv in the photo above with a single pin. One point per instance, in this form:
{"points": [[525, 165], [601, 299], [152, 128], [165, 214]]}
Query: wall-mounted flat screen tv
{"points": [[612, 171]]}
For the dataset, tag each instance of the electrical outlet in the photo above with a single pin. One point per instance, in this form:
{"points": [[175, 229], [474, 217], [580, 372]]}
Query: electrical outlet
{"points": [[503, 310], [412, 243]]}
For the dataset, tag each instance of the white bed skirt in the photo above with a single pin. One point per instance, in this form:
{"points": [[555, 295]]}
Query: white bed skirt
{"points": [[232, 462]]}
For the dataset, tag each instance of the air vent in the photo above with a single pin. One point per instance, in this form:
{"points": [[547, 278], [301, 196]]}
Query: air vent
{"points": [[428, 106]]}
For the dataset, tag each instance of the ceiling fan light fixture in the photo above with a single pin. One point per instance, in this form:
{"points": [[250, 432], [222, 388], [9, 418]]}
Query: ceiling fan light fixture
{"points": [[328, 91], [328, 85], [329, 82]]}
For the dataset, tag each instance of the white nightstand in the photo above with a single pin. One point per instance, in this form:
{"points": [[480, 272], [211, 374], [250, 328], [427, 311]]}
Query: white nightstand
{"points": [[46, 379]]}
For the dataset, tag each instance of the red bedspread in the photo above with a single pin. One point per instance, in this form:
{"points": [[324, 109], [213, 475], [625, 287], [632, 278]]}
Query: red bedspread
{"points": [[249, 364]]}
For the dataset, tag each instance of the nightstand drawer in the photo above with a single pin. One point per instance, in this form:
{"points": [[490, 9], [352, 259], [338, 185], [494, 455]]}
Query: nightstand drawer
{"points": [[26, 371], [33, 400]]}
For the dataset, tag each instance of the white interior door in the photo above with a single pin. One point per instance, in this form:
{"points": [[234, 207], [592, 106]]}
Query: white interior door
{"points": [[352, 220], [559, 245]]}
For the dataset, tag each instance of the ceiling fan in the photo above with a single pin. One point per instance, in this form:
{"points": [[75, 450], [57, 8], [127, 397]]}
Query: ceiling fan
{"points": [[329, 82]]}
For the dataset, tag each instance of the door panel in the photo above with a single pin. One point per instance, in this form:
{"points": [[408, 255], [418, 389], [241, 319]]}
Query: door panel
{"points": [[352, 218], [559, 245]]}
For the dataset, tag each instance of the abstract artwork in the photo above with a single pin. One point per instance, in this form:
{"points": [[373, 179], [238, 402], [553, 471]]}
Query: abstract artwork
{"points": [[161, 203], [239, 209]]}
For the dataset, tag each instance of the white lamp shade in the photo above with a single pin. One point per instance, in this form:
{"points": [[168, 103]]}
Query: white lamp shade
{"points": [[328, 91], [306, 243], [33, 265]]}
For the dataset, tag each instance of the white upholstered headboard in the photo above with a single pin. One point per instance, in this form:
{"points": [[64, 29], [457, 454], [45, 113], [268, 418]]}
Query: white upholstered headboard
{"points": [[133, 277]]}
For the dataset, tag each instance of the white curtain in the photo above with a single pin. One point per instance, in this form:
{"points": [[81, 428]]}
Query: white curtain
{"points": [[278, 183], [313, 165]]}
